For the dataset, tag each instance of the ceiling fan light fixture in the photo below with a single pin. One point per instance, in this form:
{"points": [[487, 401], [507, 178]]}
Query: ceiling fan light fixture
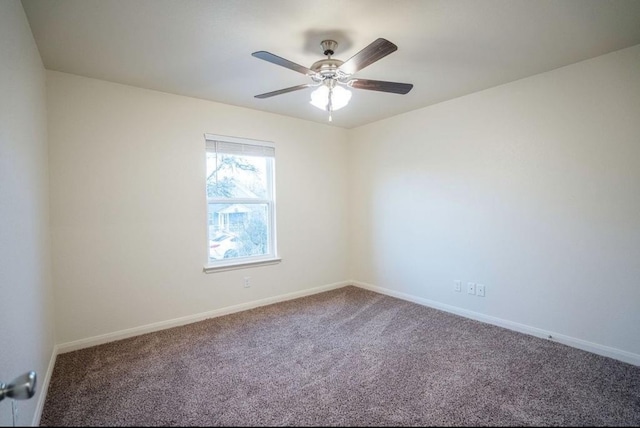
{"points": [[338, 96]]}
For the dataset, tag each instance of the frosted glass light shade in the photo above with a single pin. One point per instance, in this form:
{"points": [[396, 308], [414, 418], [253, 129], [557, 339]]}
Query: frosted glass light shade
{"points": [[320, 97], [339, 97]]}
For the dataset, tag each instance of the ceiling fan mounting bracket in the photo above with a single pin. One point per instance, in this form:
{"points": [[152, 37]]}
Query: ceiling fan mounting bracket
{"points": [[329, 47]]}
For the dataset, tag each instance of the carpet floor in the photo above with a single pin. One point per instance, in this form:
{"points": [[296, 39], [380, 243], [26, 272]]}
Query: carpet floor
{"points": [[346, 357]]}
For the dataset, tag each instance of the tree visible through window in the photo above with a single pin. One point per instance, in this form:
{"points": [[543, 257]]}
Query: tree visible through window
{"points": [[240, 200]]}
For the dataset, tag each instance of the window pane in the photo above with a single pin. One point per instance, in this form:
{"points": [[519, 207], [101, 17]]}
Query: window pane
{"points": [[238, 230], [234, 176]]}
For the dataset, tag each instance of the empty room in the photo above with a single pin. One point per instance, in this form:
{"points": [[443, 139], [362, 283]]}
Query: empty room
{"points": [[319, 213]]}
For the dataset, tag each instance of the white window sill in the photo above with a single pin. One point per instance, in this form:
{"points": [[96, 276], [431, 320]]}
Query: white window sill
{"points": [[240, 265]]}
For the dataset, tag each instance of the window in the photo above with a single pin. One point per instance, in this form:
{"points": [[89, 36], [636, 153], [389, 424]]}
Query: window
{"points": [[240, 202]]}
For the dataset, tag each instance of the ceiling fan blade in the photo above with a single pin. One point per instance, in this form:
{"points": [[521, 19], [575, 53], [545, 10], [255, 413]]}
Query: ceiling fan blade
{"points": [[284, 91], [382, 86], [275, 59], [367, 56]]}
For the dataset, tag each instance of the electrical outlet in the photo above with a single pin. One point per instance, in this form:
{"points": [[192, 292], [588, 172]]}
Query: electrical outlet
{"points": [[471, 288], [247, 281], [457, 286], [480, 290]]}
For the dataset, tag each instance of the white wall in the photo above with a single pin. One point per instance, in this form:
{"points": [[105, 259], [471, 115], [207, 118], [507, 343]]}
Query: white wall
{"points": [[128, 208], [26, 305], [531, 188]]}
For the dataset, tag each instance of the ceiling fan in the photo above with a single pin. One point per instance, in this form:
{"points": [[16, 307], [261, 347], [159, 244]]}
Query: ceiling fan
{"points": [[332, 75]]}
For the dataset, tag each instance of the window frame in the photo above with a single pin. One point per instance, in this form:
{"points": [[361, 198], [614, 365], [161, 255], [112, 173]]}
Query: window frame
{"points": [[270, 201]]}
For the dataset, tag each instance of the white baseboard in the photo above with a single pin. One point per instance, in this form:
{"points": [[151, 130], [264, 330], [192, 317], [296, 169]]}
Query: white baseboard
{"points": [[162, 325], [595, 348], [44, 388]]}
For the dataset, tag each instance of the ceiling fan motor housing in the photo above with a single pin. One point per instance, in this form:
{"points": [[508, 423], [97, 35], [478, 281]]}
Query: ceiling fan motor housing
{"points": [[327, 68]]}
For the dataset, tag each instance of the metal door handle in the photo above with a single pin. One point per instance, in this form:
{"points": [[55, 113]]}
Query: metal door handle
{"points": [[21, 388]]}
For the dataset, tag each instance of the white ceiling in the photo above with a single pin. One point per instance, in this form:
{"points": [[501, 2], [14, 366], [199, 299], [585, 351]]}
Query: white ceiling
{"points": [[202, 48]]}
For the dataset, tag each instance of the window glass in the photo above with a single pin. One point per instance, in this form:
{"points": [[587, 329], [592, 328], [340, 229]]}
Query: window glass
{"points": [[240, 201]]}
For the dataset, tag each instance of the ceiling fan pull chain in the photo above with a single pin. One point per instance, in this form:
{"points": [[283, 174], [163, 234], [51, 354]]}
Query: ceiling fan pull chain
{"points": [[330, 104]]}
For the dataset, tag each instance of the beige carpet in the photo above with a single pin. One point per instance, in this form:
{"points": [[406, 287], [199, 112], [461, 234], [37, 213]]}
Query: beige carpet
{"points": [[343, 358]]}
